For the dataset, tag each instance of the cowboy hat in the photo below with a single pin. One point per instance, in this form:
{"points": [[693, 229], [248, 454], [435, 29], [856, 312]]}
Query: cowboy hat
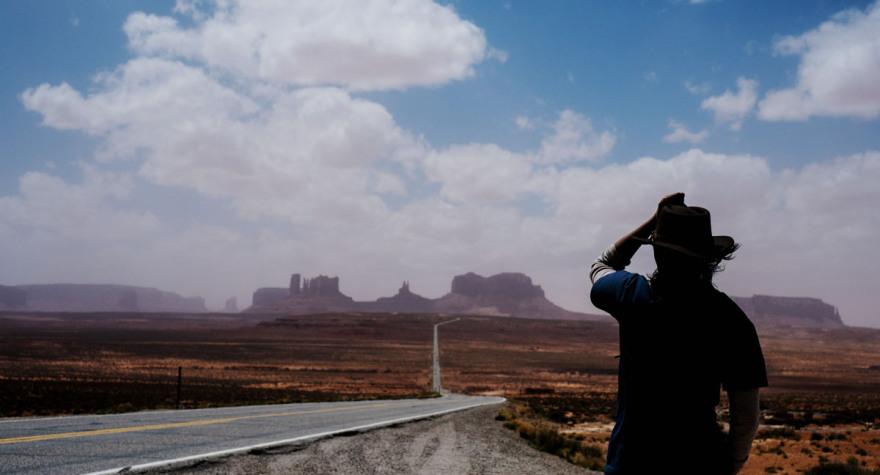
{"points": [[688, 230]]}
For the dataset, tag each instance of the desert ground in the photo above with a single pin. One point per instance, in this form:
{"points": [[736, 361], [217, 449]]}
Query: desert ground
{"points": [[823, 404]]}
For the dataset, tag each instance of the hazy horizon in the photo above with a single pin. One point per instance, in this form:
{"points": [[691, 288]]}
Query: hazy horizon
{"points": [[211, 148]]}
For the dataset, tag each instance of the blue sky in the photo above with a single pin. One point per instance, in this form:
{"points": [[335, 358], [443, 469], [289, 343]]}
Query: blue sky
{"points": [[485, 136]]}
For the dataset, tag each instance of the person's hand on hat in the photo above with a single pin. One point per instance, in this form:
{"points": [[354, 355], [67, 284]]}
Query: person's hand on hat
{"points": [[673, 199]]}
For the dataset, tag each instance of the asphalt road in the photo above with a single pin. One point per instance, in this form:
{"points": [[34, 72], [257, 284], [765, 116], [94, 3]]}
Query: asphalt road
{"points": [[96, 443], [438, 387]]}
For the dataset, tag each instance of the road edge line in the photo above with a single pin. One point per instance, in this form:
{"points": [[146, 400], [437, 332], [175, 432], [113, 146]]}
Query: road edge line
{"points": [[277, 443]]}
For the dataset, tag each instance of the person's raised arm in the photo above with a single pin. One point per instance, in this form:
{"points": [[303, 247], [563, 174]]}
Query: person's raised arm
{"points": [[620, 253]]}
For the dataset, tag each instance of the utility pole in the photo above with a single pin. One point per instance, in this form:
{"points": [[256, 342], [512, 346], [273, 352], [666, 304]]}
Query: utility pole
{"points": [[438, 387], [179, 383]]}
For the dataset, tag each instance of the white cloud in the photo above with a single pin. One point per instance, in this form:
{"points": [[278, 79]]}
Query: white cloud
{"points": [[697, 89], [47, 207], [381, 44], [574, 139], [286, 155], [191, 8], [732, 108], [680, 133], [142, 94], [839, 70], [482, 173], [498, 55], [524, 122]]}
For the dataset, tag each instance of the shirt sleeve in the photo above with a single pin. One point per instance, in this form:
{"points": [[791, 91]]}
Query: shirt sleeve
{"points": [[744, 361], [608, 262], [618, 291]]}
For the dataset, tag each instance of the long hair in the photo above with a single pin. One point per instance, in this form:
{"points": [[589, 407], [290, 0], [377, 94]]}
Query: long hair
{"points": [[682, 270]]}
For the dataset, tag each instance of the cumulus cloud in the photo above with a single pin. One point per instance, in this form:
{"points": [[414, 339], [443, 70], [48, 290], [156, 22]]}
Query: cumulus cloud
{"points": [[839, 70], [680, 133], [732, 108], [288, 156], [373, 45], [574, 139], [142, 94], [479, 173]]}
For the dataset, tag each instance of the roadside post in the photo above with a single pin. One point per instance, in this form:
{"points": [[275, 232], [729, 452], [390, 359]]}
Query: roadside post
{"points": [[179, 383]]}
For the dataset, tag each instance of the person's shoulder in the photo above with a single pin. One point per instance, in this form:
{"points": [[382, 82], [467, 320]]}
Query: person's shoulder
{"points": [[620, 288], [622, 278]]}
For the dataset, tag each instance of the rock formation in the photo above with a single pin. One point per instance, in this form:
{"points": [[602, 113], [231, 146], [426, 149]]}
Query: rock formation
{"points": [[509, 294], [231, 305], [404, 302], [106, 298], [295, 286], [321, 287], [768, 310], [269, 297], [316, 295], [507, 285], [506, 294]]}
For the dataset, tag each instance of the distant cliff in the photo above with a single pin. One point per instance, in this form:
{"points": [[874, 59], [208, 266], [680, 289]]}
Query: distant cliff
{"points": [[304, 296], [506, 294], [768, 310], [509, 294], [96, 298]]}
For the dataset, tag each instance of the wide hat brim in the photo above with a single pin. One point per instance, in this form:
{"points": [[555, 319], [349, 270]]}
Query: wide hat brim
{"points": [[720, 246]]}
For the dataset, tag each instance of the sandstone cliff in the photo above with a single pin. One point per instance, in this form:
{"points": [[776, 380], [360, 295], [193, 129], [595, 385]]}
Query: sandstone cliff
{"points": [[106, 298], [319, 294], [768, 310], [269, 297], [509, 294]]}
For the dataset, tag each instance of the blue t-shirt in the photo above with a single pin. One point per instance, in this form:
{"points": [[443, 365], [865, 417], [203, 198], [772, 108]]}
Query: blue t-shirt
{"points": [[676, 351]]}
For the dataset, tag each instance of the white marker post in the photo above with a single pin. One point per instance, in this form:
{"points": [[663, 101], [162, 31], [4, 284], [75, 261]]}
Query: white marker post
{"points": [[437, 386]]}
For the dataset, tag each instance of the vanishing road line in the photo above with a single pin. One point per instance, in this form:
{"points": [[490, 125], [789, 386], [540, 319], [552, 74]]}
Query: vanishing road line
{"points": [[438, 387], [173, 425]]}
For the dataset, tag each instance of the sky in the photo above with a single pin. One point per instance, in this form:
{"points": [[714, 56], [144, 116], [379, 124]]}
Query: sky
{"points": [[214, 147]]}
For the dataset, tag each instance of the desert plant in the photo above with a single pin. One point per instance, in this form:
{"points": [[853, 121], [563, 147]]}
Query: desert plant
{"points": [[778, 433], [849, 468]]}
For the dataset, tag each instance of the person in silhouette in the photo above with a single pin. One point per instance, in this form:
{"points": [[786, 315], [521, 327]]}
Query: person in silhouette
{"points": [[681, 341]]}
